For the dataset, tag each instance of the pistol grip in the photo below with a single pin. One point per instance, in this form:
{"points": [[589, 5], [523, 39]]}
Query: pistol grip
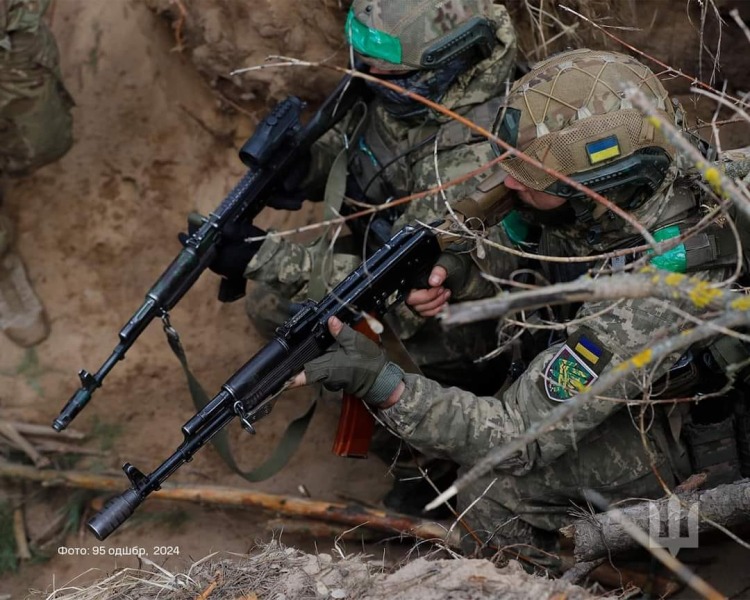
{"points": [[231, 289]]}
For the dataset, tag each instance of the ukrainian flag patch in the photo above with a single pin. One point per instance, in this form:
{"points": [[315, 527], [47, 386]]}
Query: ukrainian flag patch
{"points": [[588, 349], [603, 149]]}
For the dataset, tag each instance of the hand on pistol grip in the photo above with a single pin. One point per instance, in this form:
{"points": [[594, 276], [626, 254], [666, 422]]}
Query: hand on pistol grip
{"points": [[448, 278]]}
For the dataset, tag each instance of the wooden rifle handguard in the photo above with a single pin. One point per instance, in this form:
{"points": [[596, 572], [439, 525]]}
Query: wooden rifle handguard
{"points": [[356, 423]]}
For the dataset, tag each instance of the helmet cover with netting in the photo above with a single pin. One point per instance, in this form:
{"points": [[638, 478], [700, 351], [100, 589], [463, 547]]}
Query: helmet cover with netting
{"points": [[408, 35], [570, 113]]}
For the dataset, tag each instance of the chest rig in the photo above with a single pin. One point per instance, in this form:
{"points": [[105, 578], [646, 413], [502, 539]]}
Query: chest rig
{"points": [[384, 151]]}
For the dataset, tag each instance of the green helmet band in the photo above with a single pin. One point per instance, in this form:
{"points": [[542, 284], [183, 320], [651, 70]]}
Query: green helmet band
{"points": [[477, 35], [371, 42]]}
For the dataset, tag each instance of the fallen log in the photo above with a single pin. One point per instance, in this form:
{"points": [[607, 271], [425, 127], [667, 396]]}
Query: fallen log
{"points": [[19, 532], [346, 514], [671, 519]]}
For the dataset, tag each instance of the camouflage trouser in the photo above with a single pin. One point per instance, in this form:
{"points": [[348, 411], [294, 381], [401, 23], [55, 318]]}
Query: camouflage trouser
{"points": [[35, 119]]}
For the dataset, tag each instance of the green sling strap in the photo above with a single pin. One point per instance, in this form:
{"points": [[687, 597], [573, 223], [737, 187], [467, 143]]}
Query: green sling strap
{"points": [[287, 446], [333, 198]]}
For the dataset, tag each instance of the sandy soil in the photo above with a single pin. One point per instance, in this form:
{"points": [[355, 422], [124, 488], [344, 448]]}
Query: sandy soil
{"points": [[153, 142], [96, 229]]}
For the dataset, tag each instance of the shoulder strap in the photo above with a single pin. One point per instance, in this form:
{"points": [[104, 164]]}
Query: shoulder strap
{"points": [[333, 198], [284, 450]]}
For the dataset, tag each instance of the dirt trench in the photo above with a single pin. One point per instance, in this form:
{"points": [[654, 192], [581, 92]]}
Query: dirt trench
{"points": [[154, 139], [96, 229]]}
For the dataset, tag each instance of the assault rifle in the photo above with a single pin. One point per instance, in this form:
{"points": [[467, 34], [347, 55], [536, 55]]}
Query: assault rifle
{"points": [[374, 287], [278, 144]]}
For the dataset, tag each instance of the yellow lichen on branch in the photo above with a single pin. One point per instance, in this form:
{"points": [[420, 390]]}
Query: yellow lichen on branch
{"points": [[742, 303], [703, 294], [638, 361]]}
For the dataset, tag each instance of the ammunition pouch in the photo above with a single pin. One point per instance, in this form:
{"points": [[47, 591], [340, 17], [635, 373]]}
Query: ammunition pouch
{"points": [[717, 433], [713, 448]]}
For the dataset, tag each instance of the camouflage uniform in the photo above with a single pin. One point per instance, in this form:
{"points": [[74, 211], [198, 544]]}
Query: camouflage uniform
{"points": [[282, 268], [35, 120], [35, 129], [600, 447]]}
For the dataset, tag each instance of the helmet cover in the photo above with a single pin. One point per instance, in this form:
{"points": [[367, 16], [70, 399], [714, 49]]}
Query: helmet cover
{"points": [[569, 113], [408, 35]]}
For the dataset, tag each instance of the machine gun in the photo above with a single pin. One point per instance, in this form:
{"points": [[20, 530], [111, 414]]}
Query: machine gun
{"points": [[277, 145], [375, 286]]}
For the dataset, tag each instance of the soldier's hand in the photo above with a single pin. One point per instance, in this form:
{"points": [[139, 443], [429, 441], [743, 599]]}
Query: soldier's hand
{"points": [[356, 365], [451, 277], [233, 252], [430, 301]]}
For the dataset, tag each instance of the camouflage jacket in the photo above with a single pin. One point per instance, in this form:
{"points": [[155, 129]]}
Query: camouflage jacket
{"points": [[447, 151]]}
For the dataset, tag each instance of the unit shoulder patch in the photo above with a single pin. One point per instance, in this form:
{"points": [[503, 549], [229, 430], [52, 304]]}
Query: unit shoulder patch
{"points": [[574, 367]]}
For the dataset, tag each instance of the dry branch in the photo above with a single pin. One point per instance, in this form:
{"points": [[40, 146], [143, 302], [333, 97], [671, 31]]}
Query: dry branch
{"points": [[19, 532], [648, 283], [34, 430], [600, 535], [10, 433], [345, 514]]}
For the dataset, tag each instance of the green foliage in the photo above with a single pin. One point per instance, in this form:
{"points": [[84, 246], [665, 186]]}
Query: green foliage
{"points": [[67, 461], [95, 50], [73, 509], [106, 433], [31, 370]]}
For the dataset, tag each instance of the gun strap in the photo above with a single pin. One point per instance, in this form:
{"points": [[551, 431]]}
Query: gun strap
{"points": [[333, 198], [284, 450]]}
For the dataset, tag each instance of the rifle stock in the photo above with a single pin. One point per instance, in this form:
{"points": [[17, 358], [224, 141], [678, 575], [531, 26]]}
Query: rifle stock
{"points": [[279, 142]]}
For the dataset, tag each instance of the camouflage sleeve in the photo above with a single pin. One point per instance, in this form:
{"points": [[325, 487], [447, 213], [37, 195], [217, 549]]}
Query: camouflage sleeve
{"points": [[465, 427], [454, 163], [451, 422]]}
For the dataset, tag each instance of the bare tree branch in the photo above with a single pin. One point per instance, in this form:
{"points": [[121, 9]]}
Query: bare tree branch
{"points": [[735, 313], [648, 283]]}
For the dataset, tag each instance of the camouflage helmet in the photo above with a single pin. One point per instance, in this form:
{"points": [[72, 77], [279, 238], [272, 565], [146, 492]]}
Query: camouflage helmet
{"points": [[569, 113], [408, 35]]}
